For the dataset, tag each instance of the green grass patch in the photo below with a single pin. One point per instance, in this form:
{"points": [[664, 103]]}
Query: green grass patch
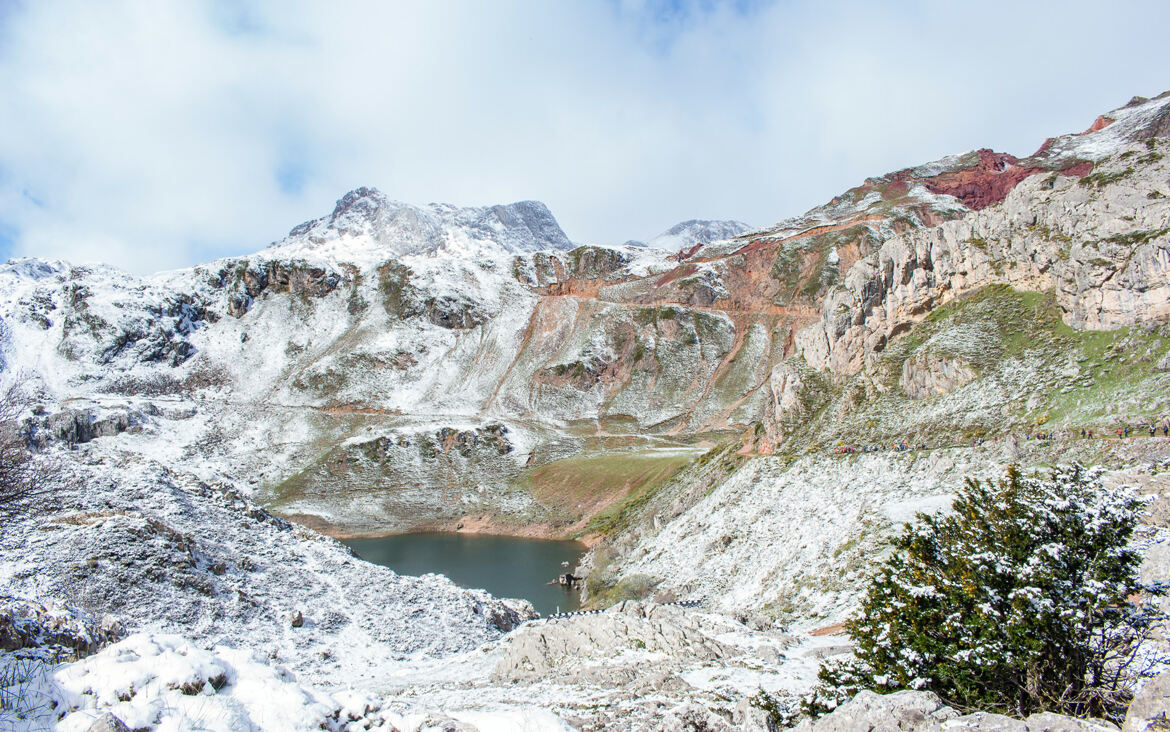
{"points": [[1135, 238], [1101, 178], [604, 486]]}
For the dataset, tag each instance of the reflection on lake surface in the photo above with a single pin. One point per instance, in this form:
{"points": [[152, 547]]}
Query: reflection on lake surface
{"points": [[505, 566]]}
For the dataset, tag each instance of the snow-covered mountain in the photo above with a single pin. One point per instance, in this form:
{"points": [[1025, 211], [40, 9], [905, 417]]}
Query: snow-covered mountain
{"points": [[686, 235], [366, 221], [378, 331]]}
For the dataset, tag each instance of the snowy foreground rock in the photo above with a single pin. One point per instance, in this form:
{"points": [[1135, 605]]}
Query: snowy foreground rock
{"points": [[1150, 709], [163, 549], [636, 666], [165, 682], [922, 711]]}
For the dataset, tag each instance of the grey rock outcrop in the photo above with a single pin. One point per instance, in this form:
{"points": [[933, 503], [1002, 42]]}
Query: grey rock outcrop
{"points": [[787, 385], [447, 724], [923, 711], [247, 280], [908, 711], [78, 426], [60, 633], [108, 723], [1150, 709], [929, 374], [694, 718], [564, 647]]}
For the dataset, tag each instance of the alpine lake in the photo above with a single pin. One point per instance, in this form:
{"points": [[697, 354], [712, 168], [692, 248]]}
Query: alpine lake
{"points": [[506, 566]]}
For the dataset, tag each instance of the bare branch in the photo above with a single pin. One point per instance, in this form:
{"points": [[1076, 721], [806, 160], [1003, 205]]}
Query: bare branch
{"points": [[26, 479]]}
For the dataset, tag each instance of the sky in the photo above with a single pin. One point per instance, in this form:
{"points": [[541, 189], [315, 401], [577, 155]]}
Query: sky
{"points": [[156, 134]]}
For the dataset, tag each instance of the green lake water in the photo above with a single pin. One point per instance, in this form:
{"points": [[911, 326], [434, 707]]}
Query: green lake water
{"points": [[505, 566]]}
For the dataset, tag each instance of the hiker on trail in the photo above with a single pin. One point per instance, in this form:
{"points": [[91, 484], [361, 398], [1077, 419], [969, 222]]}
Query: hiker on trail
{"points": [[1153, 430], [1166, 430], [1082, 433], [1090, 434], [1127, 430], [1119, 433]]}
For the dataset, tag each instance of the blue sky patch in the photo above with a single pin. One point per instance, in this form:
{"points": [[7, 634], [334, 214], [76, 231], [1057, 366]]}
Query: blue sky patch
{"points": [[8, 234], [291, 176]]}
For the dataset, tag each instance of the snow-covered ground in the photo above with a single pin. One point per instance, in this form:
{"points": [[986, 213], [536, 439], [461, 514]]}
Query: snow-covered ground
{"points": [[167, 682]]}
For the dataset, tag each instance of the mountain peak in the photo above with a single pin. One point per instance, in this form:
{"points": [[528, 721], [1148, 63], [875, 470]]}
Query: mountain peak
{"points": [[687, 234], [360, 202], [365, 219]]}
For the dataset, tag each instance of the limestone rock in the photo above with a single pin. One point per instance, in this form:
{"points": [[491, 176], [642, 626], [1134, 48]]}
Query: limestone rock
{"points": [[923, 711], [1109, 263], [694, 718], [1051, 722], [1150, 709], [108, 723], [786, 387], [984, 721], [78, 426], [447, 724], [1039, 722], [752, 718], [62, 632], [566, 646], [908, 711], [929, 374]]}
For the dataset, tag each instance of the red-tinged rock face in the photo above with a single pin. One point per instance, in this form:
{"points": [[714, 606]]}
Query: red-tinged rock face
{"points": [[1080, 170], [1098, 124], [686, 254], [980, 187], [675, 274], [1045, 147], [990, 180]]}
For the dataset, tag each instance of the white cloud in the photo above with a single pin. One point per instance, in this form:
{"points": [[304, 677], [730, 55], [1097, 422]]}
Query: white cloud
{"points": [[157, 134]]}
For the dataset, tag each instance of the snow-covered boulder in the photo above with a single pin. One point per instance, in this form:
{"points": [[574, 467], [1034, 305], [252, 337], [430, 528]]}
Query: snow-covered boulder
{"points": [[585, 646], [52, 630], [923, 711], [908, 711]]}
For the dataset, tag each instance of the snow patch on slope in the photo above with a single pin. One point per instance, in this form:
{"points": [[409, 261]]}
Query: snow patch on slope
{"points": [[1135, 121]]}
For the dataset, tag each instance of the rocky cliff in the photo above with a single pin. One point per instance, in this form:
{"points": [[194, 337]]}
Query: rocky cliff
{"points": [[944, 344]]}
